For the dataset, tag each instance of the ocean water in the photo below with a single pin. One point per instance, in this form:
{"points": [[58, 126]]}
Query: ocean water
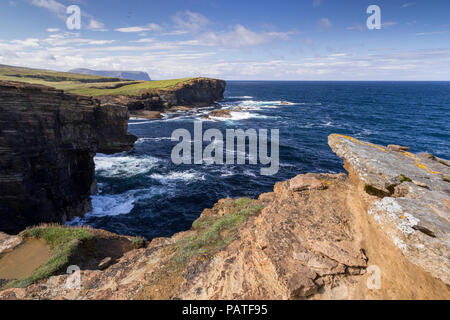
{"points": [[143, 193]]}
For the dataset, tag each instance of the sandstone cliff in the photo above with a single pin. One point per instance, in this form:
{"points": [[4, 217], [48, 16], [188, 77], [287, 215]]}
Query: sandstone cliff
{"points": [[197, 92], [381, 232], [47, 142]]}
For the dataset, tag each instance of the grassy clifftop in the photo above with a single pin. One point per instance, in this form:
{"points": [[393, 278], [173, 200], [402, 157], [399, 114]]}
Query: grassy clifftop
{"points": [[87, 85]]}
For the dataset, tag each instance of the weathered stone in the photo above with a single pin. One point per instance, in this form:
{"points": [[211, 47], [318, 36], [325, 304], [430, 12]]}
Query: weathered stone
{"points": [[416, 219], [105, 263], [394, 147], [8, 242], [47, 143], [221, 113], [305, 182]]}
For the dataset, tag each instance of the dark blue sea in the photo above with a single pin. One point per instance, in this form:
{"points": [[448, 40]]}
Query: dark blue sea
{"points": [[142, 192]]}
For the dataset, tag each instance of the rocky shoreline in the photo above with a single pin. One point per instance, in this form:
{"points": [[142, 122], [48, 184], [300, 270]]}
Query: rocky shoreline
{"points": [[198, 92], [316, 236]]}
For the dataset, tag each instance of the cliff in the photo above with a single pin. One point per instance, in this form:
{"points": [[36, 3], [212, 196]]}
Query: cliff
{"points": [[380, 232], [195, 92], [47, 141], [128, 75]]}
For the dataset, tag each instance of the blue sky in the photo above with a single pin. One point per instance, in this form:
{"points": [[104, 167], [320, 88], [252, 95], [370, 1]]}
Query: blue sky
{"points": [[241, 40]]}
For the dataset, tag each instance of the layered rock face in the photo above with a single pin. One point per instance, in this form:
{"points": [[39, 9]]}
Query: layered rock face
{"points": [[381, 232], [47, 142], [195, 93]]}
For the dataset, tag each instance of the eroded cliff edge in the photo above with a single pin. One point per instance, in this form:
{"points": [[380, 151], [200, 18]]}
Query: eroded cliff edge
{"points": [[196, 92], [48, 139], [317, 236]]}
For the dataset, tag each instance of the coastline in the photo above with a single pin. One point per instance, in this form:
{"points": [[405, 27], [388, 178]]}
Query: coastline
{"points": [[322, 244]]}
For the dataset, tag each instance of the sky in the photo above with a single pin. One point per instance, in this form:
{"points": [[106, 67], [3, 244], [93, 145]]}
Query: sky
{"points": [[233, 40]]}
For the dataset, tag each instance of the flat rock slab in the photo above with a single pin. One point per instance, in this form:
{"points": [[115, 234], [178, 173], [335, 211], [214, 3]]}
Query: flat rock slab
{"points": [[414, 205], [8, 242]]}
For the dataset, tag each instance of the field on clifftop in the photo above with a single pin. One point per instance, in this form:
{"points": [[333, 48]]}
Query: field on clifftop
{"points": [[87, 85]]}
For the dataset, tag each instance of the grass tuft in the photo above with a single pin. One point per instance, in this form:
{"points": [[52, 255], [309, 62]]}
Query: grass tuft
{"points": [[213, 233]]}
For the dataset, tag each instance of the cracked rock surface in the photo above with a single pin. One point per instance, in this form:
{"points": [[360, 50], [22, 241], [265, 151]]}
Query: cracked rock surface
{"points": [[414, 209]]}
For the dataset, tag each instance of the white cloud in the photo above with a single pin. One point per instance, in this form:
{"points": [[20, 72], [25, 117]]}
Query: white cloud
{"points": [[51, 30], [324, 23], [188, 21], [431, 33], [96, 25], [54, 6], [64, 39], [149, 27], [357, 27], [30, 42], [145, 40], [388, 24], [408, 4], [239, 37]]}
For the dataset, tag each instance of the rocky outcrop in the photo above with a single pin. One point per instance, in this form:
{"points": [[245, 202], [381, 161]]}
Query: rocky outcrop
{"points": [[377, 233], [47, 141], [414, 205], [198, 92]]}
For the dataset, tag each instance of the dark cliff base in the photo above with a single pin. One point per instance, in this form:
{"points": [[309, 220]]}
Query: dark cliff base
{"points": [[47, 143]]}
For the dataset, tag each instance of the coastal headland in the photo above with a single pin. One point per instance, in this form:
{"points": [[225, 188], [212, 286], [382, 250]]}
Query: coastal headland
{"points": [[382, 231]]}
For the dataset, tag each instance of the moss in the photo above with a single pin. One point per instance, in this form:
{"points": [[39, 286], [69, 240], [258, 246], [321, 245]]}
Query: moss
{"points": [[62, 241], [443, 162], [446, 179], [138, 242], [214, 233], [402, 178]]}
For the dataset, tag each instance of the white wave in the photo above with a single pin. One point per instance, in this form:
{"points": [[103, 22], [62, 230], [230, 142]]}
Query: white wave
{"points": [[142, 140], [139, 123], [105, 205], [112, 205], [189, 175], [257, 104], [241, 97], [122, 166], [249, 173], [227, 173], [238, 115]]}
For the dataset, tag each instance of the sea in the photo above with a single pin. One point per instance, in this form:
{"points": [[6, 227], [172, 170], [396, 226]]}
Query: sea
{"points": [[143, 193]]}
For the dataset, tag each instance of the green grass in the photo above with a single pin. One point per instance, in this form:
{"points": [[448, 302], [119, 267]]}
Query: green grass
{"points": [[213, 233], [87, 85], [134, 89], [138, 242], [62, 242], [402, 178]]}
